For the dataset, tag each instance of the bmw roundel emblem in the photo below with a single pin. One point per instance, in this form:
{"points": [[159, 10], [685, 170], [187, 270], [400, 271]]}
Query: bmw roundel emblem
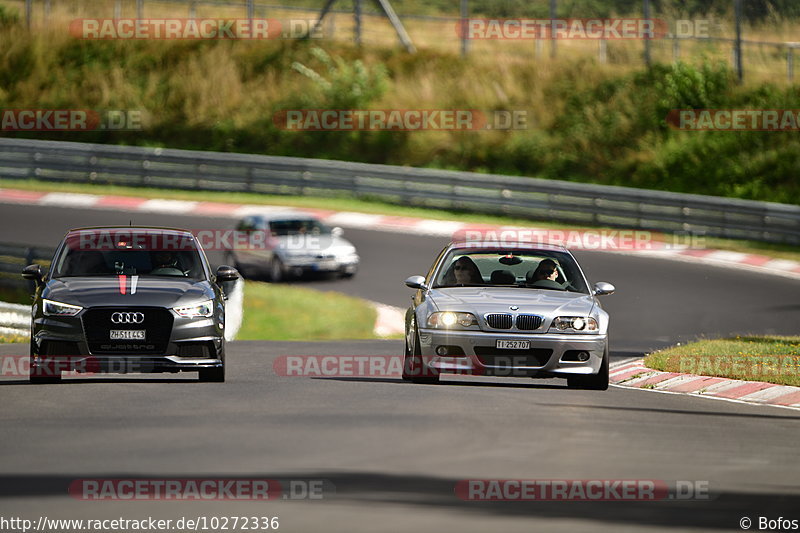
{"points": [[514, 307]]}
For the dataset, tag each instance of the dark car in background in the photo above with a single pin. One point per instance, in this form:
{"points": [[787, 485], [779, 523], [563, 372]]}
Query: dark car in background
{"points": [[128, 300]]}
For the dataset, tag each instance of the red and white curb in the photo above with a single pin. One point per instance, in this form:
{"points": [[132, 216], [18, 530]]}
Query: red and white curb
{"points": [[633, 373], [396, 224], [390, 320]]}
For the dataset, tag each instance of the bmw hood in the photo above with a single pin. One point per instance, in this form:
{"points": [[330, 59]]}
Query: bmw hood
{"points": [[150, 291], [482, 300]]}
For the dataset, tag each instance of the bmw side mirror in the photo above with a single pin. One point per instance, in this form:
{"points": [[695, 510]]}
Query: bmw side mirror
{"points": [[601, 288], [416, 282], [226, 273], [337, 231], [33, 273]]}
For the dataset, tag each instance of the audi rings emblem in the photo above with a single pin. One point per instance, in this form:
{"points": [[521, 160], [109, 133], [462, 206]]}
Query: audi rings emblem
{"points": [[127, 318]]}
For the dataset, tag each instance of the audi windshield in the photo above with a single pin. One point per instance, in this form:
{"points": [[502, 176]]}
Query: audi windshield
{"points": [[128, 259]]}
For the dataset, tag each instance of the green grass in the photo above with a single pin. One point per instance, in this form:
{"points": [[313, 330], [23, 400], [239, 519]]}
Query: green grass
{"points": [[8, 339], [754, 358], [586, 121], [344, 203], [283, 312]]}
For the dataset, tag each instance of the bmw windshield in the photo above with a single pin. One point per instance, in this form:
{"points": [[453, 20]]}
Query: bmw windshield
{"points": [[536, 269]]}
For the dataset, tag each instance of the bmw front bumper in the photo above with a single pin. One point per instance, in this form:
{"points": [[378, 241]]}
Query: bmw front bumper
{"points": [[475, 353]]}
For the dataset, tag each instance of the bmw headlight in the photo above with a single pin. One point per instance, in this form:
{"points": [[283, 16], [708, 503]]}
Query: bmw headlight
{"points": [[204, 309], [575, 323], [450, 320], [53, 308]]}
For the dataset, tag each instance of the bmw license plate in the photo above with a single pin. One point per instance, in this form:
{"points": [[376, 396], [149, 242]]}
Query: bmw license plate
{"points": [[513, 345], [127, 334]]}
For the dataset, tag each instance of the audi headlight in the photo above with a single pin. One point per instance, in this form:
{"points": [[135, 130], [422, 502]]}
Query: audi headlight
{"points": [[450, 319], [204, 309], [52, 308], [575, 323]]}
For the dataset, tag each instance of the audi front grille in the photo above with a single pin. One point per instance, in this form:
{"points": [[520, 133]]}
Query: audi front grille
{"points": [[155, 321]]}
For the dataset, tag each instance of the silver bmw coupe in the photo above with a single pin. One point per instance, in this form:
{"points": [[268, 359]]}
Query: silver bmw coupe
{"points": [[507, 309]]}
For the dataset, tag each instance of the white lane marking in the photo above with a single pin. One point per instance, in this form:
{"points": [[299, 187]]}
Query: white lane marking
{"points": [[438, 228], [795, 407], [167, 206], [726, 256], [69, 199], [234, 310], [354, 220], [389, 320], [781, 264], [770, 393]]}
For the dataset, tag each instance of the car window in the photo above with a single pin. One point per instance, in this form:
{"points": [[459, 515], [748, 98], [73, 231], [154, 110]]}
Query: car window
{"points": [[508, 268], [181, 263], [297, 227]]}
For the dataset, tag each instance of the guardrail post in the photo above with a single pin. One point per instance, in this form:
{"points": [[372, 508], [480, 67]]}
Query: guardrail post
{"points": [[139, 9], [28, 13], [118, 9], [602, 52]]}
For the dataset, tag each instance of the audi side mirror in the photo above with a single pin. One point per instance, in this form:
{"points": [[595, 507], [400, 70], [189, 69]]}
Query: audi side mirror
{"points": [[33, 273], [226, 273], [337, 231]]}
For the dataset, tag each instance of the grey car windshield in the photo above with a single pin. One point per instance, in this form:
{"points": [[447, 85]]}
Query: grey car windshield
{"points": [[132, 262], [280, 228], [536, 269]]}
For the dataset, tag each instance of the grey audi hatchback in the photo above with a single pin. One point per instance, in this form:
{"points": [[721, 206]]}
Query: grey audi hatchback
{"points": [[128, 300]]}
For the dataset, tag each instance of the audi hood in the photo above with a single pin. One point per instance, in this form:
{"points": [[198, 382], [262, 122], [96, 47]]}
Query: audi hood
{"points": [[107, 291]]}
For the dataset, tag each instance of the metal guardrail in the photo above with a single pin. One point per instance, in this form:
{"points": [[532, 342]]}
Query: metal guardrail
{"points": [[534, 198]]}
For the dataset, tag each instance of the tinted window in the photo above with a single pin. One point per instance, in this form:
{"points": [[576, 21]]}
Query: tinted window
{"points": [[297, 227], [131, 262], [464, 267]]}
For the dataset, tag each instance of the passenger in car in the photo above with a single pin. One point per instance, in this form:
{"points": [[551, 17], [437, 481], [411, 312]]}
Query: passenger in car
{"points": [[544, 276], [546, 270], [463, 271]]}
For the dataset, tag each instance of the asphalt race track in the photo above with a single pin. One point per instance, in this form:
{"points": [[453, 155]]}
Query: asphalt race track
{"points": [[389, 453]]}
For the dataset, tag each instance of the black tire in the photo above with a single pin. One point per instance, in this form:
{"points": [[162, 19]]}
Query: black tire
{"points": [[597, 381], [414, 369], [214, 375], [277, 273], [39, 376]]}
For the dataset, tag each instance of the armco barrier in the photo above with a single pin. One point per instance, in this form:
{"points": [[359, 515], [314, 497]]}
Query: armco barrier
{"points": [[532, 198]]}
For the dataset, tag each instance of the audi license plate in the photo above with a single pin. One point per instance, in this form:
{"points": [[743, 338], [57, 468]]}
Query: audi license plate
{"points": [[127, 334], [513, 345]]}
